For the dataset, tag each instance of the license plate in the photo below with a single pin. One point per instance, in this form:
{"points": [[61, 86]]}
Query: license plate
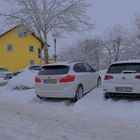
{"points": [[50, 81], [124, 89]]}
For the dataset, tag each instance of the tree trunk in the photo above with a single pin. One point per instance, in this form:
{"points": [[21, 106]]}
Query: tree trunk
{"points": [[46, 54]]}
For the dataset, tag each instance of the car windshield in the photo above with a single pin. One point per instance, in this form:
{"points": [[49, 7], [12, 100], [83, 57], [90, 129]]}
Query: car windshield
{"points": [[120, 68], [3, 69], [54, 70]]}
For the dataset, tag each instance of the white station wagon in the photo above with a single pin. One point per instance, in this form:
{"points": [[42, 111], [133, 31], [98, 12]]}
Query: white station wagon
{"points": [[66, 80], [122, 79]]}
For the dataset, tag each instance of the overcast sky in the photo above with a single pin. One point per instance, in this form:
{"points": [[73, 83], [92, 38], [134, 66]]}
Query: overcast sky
{"points": [[104, 13], [109, 12]]}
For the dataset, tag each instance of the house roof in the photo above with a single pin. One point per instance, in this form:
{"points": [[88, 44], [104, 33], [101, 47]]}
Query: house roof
{"points": [[33, 34]]}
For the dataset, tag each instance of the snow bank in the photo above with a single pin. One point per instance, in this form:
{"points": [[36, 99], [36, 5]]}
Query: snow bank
{"points": [[25, 117], [94, 104], [102, 74], [24, 80]]}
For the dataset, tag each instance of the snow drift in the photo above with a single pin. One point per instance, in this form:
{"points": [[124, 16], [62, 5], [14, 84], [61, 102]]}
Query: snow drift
{"points": [[24, 80]]}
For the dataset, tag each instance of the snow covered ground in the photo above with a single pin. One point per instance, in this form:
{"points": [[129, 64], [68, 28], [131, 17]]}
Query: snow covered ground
{"points": [[25, 117]]}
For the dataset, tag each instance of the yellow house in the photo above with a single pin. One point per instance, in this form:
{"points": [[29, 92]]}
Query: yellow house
{"points": [[19, 48]]}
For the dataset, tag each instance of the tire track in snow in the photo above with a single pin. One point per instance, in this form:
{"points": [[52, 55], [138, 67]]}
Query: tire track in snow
{"points": [[27, 122]]}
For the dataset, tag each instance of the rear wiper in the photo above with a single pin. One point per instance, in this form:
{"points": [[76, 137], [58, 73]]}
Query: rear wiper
{"points": [[128, 71]]}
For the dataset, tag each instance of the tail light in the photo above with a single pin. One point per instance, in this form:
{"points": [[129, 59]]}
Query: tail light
{"points": [[137, 76], [108, 77], [69, 78], [37, 79]]}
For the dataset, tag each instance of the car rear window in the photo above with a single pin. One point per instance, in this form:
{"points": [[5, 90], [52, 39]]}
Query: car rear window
{"points": [[120, 68], [34, 68], [54, 70]]}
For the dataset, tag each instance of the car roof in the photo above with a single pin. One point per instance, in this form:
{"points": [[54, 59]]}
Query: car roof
{"points": [[67, 63], [128, 61], [28, 67]]}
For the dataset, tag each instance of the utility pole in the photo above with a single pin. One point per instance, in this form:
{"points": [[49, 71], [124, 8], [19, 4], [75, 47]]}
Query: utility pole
{"points": [[55, 56], [55, 35]]}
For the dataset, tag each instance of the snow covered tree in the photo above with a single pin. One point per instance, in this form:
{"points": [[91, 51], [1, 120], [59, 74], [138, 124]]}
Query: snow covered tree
{"points": [[114, 41], [135, 38], [45, 16], [87, 50]]}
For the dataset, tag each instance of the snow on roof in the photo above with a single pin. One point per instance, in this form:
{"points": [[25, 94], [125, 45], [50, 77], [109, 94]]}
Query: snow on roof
{"points": [[59, 63], [62, 63]]}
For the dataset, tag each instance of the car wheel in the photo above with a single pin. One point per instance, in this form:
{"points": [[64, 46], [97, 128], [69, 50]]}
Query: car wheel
{"points": [[79, 93], [107, 96], [99, 82], [40, 97]]}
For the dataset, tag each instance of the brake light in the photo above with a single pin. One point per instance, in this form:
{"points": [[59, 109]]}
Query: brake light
{"points": [[108, 77], [69, 78], [37, 79], [137, 76]]}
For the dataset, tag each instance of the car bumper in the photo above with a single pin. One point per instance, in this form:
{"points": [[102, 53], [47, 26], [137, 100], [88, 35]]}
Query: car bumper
{"points": [[114, 94], [2, 81], [111, 88], [67, 92]]}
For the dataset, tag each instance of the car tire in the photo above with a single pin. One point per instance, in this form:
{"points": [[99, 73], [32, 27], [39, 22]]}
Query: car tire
{"points": [[99, 82], [40, 97], [107, 96], [79, 93]]}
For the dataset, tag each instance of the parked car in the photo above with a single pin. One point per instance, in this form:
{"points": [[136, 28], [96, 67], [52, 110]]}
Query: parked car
{"points": [[66, 80], [24, 79], [122, 79], [5, 75], [32, 68]]}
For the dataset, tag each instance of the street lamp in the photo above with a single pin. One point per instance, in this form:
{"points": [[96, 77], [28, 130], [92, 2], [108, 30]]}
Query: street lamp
{"points": [[55, 55]]}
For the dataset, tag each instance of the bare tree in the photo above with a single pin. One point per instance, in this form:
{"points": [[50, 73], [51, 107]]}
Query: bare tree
{"points": [[115, 40], [45, 16], [87, 50], [135, 38], [137, 25]]}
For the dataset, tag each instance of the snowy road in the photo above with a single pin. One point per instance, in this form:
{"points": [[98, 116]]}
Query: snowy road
{"points": [[32, 119]]}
